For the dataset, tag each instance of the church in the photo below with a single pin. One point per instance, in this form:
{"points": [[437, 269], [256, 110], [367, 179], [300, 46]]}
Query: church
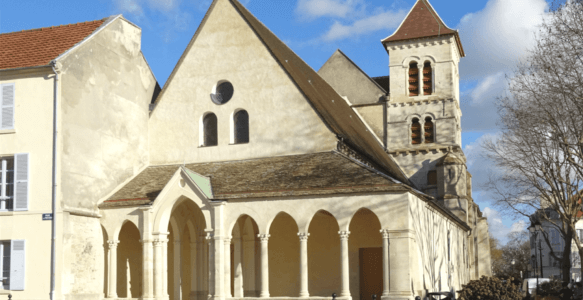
{"points": [[248, 175]]}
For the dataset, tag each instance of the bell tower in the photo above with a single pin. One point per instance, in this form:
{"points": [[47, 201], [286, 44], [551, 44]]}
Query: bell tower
{"points": [[423, 111]]}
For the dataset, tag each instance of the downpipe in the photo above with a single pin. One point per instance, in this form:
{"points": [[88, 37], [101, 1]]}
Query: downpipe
{"points": [[54, 183]]}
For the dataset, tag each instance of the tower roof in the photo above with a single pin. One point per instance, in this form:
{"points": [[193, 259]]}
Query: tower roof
{"points": [[423, 21]]}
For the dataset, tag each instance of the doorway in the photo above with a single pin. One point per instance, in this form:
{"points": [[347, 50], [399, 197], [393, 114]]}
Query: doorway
{"points": [[371, 272]]}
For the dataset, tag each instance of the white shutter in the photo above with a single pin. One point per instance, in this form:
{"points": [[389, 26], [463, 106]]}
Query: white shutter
{"points": [[21, 184], [17, 265], [7, 106]]}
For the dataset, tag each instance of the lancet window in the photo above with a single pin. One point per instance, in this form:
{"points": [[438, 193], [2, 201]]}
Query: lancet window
{"points": [[413, 79], [427, 79]]}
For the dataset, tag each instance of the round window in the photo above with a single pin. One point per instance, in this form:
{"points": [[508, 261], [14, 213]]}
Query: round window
{"points": [[222, 93]]}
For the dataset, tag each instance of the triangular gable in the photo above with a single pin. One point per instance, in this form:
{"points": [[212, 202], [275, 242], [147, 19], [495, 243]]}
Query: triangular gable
{"points": [[422, 21], [203, 183], [333, 110], [350, 80]]}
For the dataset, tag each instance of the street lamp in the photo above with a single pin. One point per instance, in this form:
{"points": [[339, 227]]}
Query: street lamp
{"points": [[535, 228]]}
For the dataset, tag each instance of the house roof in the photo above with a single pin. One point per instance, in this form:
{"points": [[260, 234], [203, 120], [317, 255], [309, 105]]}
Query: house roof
{"points": [[297, 175], [331, 107], [421, 22], [384, 82], [37, 47]]}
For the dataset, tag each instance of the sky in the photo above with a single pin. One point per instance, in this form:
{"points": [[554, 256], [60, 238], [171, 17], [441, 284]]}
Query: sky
{"points": [[495, 34]]}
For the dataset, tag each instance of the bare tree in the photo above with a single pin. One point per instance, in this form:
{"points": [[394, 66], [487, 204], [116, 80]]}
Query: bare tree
{"points": [[540, 151]]}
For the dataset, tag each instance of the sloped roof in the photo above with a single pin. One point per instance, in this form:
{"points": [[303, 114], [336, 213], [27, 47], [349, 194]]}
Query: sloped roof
{"points": [[297, 175], [37, 47], [422, 21], [384, 82], [333, 110]]}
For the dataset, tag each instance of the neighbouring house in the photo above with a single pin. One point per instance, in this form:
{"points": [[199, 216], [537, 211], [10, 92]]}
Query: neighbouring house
{"points": [[248, 175]]}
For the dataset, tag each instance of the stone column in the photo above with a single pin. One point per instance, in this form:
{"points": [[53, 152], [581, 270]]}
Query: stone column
{"points": [[420, 68], [344, 266], [238, 269], [386, 273], [158, 281], [112, 284], [177, 270], [264, 293], [165, 269], [227, 246], [147, 269], [193, 273], [208, 262], [304, 292], [400, 248]]}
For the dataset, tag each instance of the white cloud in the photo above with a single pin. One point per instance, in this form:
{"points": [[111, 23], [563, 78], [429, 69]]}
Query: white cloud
{"points": [[164, 5], [498, 36], [133, 7], [383, 20], [311, 9], [497, 227]]}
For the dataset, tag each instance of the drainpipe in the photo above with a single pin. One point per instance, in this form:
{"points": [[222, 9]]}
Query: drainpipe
{"points": [[54, 196]]}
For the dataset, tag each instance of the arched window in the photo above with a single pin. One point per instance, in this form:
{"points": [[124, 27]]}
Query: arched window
{"points": [[427, 79], [241, 127], [210, 130], [413, 79], [415, 132], [429, 136]]}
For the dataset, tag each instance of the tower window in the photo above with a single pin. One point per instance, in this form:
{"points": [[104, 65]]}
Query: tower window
{"points": [[427, 79], [416, 132], [210, 130], [429, 136], [241, 123], [432, 178], [413, 79]]}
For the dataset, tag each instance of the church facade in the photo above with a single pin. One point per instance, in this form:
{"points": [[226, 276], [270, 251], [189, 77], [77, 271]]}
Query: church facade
{"points": [[248, 175]]}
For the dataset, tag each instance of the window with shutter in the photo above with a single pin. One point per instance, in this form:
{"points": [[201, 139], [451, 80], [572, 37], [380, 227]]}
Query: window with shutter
{"points": [[429, 133], [6, 183], [413, 79], [241, 121], [21, 182], [210, 130], [7, 106], [427, 79], [4, 265], [415, 132], [17, 266]]}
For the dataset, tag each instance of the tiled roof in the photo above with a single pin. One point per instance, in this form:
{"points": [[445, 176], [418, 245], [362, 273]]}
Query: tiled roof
{"points": [[422, 21], [297, 175], [384, 82], [335, 112], [37, 47]]}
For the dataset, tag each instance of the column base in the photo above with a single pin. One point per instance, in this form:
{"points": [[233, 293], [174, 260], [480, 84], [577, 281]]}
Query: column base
{"points": [[399, 296], [264, 295], [304, 295]]}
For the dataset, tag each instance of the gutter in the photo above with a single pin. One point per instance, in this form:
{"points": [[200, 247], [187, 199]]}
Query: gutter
{"points": [[54, 66]]}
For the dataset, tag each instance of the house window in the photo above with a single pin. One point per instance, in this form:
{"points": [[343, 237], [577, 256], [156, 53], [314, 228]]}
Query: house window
{"points": [[556, 240], [210, 130], [427, 79], [416, 132], [429, 135], [241, 127], [432, 178], [12, 266], [413, 79], [6, 183], [6, 106], [222, 92]]}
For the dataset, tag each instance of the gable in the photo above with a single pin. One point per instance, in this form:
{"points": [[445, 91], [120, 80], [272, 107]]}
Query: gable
{"points": [[350, 81], [281, 120]]}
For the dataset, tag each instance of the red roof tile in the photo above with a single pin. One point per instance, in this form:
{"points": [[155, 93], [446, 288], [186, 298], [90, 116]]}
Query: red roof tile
{"points": [[422, 21], [37, 47]]}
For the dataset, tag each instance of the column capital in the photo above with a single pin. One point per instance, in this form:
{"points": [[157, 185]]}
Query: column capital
{"points": [[112, 244], [344, 234], [227, 240], [160, 242], [385, 233], [303, 236], [264, 237]]}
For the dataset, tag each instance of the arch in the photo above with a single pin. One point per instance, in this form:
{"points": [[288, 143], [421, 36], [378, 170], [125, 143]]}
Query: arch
{"points": [[429, 130], [163, 209], [428, 78], [361, 210], [284, 246], [115, 235], [243, 215], [240, 127], [413, 79], [318, 212], [416, 134], [208, 130], [407, 60], [323, 254], [278, 215], [129, 262], [245, 257], [428, 58]]}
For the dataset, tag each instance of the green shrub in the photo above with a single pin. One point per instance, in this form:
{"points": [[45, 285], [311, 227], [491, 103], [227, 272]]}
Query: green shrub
{"points": [[489, 288], [552, 288]]}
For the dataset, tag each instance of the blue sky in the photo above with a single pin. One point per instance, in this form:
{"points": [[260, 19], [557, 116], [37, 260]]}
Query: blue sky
{"points": [[495, 35]]}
